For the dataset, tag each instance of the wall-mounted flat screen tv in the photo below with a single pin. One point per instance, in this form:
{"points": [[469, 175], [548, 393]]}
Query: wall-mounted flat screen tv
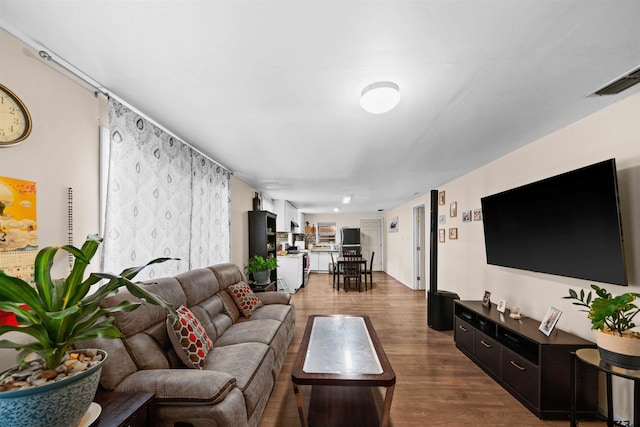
{"points": [[567, 225]]}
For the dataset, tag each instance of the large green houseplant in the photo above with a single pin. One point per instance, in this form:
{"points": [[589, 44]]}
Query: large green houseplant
{"points": [[260, 268], [61, 311], [613, 317]]}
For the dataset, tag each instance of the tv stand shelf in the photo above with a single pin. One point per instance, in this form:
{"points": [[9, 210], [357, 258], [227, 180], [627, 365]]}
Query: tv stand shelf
{"points": [[534, 368]]}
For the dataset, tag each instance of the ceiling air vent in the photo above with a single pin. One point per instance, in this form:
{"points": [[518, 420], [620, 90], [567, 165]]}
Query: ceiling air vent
{"points": [[623, 83]]}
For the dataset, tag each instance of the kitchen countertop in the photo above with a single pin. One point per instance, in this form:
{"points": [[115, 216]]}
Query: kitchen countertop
{"points": [[298, 255], [325, 249]]}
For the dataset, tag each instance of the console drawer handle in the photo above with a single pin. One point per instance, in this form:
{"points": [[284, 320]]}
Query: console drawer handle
{"points": [[521, 368], [485, 344], [462, 328]]}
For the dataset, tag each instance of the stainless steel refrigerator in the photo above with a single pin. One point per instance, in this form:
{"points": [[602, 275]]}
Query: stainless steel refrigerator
{"points": [[351, 239]]}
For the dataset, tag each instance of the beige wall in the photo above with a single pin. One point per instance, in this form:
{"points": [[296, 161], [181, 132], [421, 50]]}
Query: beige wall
{"points": [[611, 133], [399, 247], [241, 203], [342, 220], [62, 150]]}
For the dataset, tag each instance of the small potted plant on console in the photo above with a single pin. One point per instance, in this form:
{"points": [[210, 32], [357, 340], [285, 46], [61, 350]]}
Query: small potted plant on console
{"points": [[613, 318]]}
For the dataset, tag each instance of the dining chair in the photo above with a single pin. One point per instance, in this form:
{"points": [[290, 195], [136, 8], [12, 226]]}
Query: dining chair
{"points": [[334, 270], [351, 252], [351, 271], [368, 272]]}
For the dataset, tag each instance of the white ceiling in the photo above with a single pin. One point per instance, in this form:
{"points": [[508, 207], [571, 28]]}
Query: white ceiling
{"points": [[271, 89]]}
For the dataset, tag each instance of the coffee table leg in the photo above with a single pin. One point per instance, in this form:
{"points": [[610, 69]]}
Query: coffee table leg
{"points": [[388, 397], [298, 393]]}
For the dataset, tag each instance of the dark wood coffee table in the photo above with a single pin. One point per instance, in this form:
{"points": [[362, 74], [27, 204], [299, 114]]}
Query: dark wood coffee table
{"points": [[342, 358]]}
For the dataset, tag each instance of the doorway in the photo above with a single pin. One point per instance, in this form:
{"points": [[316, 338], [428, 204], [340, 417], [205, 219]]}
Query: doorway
{"points": [[419, 247], [371, 241]]}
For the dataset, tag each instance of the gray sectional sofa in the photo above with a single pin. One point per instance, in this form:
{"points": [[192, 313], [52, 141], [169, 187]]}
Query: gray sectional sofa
{"points": [[240, 370]]}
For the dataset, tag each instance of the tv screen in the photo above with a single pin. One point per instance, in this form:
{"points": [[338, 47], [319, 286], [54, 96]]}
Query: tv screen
{"points": [[567, 225]]}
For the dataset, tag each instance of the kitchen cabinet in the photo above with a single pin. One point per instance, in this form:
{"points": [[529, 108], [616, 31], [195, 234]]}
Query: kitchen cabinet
{"points": [[290, 268], [286, 213], [320, 260]]}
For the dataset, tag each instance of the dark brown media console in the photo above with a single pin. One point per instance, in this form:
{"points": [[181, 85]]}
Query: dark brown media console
{"points": [[534, 368]]}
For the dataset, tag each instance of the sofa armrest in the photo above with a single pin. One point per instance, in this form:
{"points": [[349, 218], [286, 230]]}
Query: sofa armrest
{"points": [[188, 386], [274, 297]]}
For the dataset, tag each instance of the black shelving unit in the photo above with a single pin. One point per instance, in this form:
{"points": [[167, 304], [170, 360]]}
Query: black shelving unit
{"points": [[262, 236]]}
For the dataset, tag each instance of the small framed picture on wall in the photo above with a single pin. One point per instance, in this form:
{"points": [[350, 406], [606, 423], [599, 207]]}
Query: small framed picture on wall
{"points": [[441, 198], [453, 209], [441, 235], [453, 234]]}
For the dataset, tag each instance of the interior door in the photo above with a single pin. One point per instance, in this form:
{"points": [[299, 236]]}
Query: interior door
{"points": [[371, 241]]}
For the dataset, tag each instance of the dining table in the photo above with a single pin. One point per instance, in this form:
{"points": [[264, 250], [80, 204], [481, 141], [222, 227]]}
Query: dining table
{"points": [[342, 260]]}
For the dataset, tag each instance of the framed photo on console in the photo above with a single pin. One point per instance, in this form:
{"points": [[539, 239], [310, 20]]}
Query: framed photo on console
{"points": [[549, 321], [502, 305], [486, 300]]}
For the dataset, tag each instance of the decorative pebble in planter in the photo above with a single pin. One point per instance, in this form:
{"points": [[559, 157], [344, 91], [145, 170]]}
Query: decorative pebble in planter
{"points": [[40, 398]]}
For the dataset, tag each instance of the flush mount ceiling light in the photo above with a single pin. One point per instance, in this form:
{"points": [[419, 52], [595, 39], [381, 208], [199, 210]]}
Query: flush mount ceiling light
{"points": [[380, 97], [346, 199]]}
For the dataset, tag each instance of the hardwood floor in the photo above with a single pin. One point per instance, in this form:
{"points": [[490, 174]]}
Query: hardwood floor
{"points": [[436, 384]]}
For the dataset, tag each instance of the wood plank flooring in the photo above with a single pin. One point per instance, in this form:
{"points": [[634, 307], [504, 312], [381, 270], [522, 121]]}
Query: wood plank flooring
{"points": [[436, 384]]}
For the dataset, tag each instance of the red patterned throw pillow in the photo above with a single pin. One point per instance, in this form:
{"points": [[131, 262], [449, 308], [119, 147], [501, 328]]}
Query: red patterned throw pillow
{"points": [[189, 338], [244, 298]]}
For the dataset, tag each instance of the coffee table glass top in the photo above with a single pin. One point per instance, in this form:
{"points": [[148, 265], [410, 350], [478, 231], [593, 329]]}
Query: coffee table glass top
{"points": [[341, 345]]}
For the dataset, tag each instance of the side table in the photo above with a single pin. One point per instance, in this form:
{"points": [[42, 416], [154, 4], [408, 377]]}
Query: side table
{"points": [[263, 288], [591, 356], [124, 409]]}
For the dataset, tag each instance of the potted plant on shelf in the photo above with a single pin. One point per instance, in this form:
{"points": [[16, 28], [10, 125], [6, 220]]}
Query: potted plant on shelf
{"points": [[613, 318], [54, 389], [260, 268]]}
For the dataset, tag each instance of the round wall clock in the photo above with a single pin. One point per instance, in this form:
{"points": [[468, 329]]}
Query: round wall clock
{"points": [[15, 120]]}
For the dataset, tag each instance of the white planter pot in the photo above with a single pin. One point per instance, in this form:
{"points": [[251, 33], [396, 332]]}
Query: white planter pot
{"points": [[61, 404], [620, 351]]}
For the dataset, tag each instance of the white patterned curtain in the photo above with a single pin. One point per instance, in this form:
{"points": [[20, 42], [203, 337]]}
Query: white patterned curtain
{"points": [[164, 199]]}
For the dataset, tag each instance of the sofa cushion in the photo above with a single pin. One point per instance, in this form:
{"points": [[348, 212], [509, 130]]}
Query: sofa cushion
{"points": [[250, 364], [244, 298], [251, 331], [278, 312], [198, 285], [230, 307], [227, 274], [181, 386], [189, 338]]}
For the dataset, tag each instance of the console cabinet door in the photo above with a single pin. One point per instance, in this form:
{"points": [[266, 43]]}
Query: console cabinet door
{"points": [[522, 376], [463, 332], [487, 352]]}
